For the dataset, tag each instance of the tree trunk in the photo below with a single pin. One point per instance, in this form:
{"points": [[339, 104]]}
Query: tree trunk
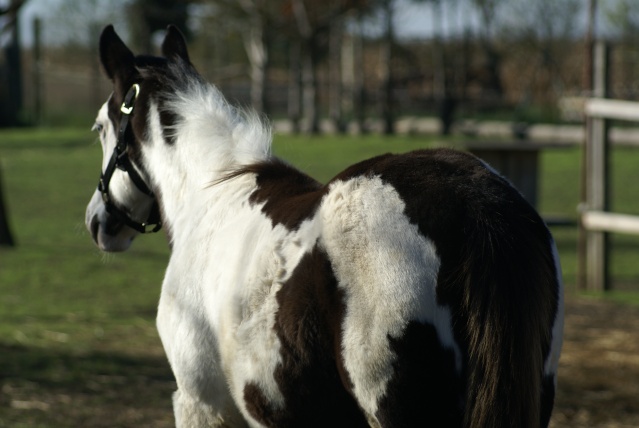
{"points": [[335, 76], [309, 87], [386, 58], [446, 103], [589, 44], [308, 60], [96, 95], [11, 88], [6, 239], [38, 103], [294, 86], [257, 52], [359, 85]]}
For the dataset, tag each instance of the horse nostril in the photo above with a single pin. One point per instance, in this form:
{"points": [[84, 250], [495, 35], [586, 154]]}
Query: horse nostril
{"points": [[95, 227]]}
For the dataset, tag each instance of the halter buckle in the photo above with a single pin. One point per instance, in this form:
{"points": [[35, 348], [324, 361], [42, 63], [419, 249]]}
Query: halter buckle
{"points": [[127, 105]]}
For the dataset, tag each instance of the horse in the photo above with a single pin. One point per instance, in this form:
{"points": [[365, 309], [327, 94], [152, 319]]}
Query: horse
{"points": [[415, 289]]}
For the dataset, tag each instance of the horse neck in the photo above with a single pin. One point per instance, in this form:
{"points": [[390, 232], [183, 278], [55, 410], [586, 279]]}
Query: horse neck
{"points": [[187, 173]]}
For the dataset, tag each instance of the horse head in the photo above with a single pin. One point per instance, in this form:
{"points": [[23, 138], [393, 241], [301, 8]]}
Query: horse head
{"points": [[126, 202]]}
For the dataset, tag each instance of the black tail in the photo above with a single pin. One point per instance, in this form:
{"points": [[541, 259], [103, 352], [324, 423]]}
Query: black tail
{"points": [[510, 298]]}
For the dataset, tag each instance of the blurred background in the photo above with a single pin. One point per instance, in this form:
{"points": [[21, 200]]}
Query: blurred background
{"points": [[335, 64], [340, 80]]}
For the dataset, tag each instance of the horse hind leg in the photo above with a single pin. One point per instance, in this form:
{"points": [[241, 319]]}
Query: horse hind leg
{"points": [[424, 386], [190, 413]]}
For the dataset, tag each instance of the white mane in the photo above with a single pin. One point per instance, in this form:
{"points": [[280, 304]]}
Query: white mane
{"points": [[240, 136]]}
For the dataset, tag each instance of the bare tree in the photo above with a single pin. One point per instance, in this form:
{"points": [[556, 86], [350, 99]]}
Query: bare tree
{"points": [[256, 45], [306, 26], [489, 13], [313, 22], [309, 57], [622, 18], [444, 98], [543, 27], [589, 43], [254, 22], [336, 48]]}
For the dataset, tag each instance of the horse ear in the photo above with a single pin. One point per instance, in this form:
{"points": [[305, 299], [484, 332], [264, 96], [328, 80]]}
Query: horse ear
{"points": [[116, 58], [174, 45]]}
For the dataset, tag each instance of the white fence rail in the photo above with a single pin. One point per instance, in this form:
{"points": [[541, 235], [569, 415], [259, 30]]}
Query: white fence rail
{"points": [[610, 222], [612, 109]]}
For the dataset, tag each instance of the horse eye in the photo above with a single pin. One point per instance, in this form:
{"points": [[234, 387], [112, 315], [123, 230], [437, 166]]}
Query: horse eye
{"points": [[97, 127]]}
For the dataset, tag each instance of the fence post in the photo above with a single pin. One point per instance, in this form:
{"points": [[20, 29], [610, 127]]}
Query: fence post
{"points": [[597, 178]]}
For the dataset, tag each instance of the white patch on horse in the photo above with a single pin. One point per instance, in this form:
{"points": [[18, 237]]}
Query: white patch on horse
{"points": [[388, 272], [269, 257], [218, 305]]}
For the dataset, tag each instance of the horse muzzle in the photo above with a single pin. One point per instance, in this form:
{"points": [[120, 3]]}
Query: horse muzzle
{"points": [[107, 231]]}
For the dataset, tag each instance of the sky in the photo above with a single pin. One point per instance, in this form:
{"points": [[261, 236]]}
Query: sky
{"points": [[412, 20]]}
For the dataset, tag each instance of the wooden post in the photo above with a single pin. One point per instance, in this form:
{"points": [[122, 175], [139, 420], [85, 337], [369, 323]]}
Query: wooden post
{"points": [[597, 195], [588, 84]]}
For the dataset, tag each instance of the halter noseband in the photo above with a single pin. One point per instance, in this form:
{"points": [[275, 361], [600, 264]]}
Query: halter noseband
{"points": [[120, 159]]}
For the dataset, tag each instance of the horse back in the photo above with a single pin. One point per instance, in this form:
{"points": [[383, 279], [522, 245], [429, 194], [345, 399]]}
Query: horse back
{"points": [[429, 295]]}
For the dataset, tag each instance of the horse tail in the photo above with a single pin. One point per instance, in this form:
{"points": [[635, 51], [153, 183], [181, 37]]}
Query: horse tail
{"points": [[510, 290]]}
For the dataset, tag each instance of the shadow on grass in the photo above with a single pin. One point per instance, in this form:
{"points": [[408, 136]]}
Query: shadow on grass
{"points": [[42, 387], [67, 370]]}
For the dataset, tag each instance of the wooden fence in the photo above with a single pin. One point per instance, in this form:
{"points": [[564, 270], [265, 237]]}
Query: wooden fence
{"points": [[596, 220]]}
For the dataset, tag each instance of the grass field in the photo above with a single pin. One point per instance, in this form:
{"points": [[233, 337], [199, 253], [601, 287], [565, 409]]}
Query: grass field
{"points": [[78, 345]]}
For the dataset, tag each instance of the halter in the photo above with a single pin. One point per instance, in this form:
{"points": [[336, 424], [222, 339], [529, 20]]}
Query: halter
{"points": [[120, 159]]}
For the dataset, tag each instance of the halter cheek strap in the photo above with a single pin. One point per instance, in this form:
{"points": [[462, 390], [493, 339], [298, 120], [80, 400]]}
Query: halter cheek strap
{"points": [[120, 159]]}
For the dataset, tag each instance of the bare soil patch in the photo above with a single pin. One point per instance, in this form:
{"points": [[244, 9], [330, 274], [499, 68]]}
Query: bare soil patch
{"points": [[598, 379], [599, 367]]}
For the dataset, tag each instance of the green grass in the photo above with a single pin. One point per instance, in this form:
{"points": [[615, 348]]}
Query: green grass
{"points": [[79, 324], [72, 320]]}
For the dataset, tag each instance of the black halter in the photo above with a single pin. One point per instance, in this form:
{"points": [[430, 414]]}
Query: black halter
{"points": [[120, 159]]}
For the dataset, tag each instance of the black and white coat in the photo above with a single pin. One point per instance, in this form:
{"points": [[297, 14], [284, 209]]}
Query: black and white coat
{"points": [[411, 290]]}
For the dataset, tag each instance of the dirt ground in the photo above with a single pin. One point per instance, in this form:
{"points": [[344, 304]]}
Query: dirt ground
{"points": [[599, 367], [598, 383]]}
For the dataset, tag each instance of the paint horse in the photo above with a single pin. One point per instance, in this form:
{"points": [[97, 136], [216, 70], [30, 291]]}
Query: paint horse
{"points": [[411, 290]]}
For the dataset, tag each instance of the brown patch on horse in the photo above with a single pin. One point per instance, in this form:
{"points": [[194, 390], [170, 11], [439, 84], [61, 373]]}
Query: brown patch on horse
{"points": [[289, 196], [425, 385], [311, 377]]}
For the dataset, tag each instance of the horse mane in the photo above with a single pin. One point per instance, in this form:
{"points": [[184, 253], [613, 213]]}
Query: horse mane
{"points": [[198, 110]]}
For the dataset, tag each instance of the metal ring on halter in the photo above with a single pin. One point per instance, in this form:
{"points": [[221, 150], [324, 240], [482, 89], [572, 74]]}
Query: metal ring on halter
{"points": [[130, 98]]}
